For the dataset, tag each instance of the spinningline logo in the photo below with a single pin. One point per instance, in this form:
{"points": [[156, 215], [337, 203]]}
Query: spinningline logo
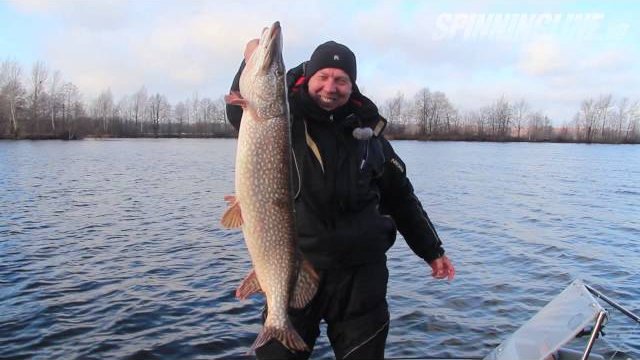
{"points": [[522, 26]]}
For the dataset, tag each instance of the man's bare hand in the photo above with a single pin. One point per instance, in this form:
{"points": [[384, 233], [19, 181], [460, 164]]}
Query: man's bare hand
{"points": [[442, 268]]}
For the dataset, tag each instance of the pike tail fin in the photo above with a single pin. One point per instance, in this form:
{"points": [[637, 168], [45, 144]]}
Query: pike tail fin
{"points": [[288, 337], [306, 285]]}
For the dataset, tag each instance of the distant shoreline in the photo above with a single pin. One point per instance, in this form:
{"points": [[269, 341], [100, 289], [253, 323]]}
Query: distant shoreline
{"points": [[72, 137]]}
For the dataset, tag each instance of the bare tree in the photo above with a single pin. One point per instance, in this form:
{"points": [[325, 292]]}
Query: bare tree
{"points": [[124, 117], [539, 127], [71, 103], [520, 110], [12, 91], [205, 110], [394, 108], [54, 97], [469, 123], [224, 126], [422, 108], [587, 119], [607, 120], [180, 113], [160, 110], [632, 133], [536, 123], [619, 118], [564, 134], [442, 113], [397, 112], [39, 74], [483, 120], [500, 118], [195, 108], [140, 100], [220, 111], [125, 108], [433, 112], [103, 109], [603, 109]]}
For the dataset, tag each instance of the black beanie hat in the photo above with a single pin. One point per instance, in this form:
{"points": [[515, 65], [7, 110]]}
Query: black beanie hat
{"points": [[332, 55]]}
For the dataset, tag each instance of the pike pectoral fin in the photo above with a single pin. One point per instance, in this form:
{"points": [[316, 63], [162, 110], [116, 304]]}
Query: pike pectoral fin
{"points": [[288, 336], [232, 217], [234, 98], [249, 286], [306, 285]]}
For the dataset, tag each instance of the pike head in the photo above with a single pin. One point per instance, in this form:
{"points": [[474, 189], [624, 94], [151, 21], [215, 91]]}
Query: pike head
{"points": [[262, 83]]}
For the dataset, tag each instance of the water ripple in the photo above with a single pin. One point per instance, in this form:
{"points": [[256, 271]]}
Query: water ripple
{"points": [[120, 255]]}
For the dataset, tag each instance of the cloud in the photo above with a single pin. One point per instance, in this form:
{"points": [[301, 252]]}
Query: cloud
{"points": [[178, 49], [93, 15], [542, 57]]}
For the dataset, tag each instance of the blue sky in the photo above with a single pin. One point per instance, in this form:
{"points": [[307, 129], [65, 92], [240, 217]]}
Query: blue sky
{"points": [[182, 48]]}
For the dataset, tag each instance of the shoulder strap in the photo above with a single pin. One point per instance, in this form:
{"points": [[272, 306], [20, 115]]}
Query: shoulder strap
{"points": [[298, 149]]}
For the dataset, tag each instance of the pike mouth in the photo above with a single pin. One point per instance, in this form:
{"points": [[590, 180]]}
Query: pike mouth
{"points": [[272, 44], [275, 30]]}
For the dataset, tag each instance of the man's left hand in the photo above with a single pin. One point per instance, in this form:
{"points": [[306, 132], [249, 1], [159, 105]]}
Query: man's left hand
{"points": [[442, 268]]}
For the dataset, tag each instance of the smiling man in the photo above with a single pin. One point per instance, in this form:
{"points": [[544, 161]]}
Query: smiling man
{"points": [[351, 197], [333, 72]]}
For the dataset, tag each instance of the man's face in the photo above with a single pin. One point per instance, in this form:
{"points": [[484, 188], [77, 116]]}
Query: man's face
{"points": [[330, 88]]}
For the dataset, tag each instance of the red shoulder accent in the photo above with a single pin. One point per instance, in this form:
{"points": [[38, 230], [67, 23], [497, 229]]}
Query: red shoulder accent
{"points": [[356, 102], [296, 86]]}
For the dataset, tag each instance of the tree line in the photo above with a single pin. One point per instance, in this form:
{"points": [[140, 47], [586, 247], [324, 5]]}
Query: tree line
{"points": [[42, 105], [430, 115]]}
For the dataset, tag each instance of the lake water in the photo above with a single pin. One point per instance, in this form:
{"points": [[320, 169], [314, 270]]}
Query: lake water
{"points": [[112, 249]]}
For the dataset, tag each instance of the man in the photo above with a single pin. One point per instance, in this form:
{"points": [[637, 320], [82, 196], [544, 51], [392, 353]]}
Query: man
{"points": [[351, 197]]}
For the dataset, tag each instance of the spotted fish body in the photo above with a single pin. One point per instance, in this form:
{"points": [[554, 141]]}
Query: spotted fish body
{"points": [[263, 203]]}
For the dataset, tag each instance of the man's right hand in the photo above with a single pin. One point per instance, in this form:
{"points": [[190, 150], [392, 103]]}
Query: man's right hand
{"points": [[442, 268]]}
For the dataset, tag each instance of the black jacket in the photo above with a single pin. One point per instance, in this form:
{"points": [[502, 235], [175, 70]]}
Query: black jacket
{"points": [[351, 195]]}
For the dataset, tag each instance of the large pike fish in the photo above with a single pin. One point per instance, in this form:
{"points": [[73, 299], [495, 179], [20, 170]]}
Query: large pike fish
{"points": [[263, 203]]}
